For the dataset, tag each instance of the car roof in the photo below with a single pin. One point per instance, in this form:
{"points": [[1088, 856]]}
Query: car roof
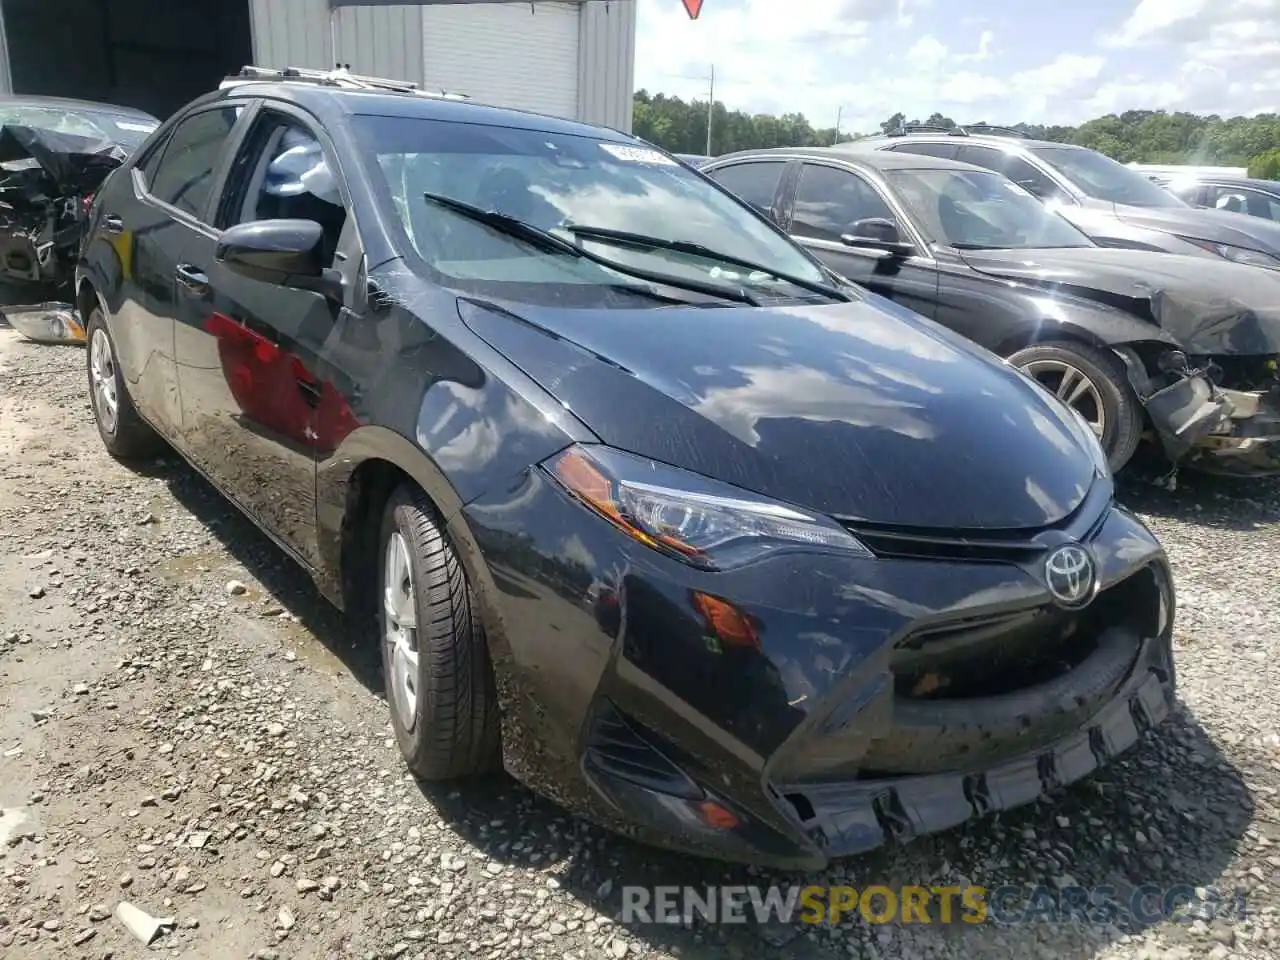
{"points": [[321, 99], [69, 103], [985, 139], [876, 159]]}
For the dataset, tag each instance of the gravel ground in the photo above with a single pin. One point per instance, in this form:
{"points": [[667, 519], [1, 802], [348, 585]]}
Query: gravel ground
{"points": [[183, 728]]}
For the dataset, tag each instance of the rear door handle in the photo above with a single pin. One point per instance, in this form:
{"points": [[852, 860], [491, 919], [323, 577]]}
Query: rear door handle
{"points": [[191, 278], [113, 224]]}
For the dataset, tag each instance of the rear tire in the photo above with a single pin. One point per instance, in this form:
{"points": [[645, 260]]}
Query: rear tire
{"points": [[1094, 383], [123, 431], [435, 661]]}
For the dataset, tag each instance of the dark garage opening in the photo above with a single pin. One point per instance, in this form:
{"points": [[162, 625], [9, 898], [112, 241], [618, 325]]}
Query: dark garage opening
{"points": [[151, 54]]}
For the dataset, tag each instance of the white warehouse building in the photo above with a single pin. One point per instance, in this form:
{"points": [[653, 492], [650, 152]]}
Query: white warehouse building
{"points": [[570, 58]]}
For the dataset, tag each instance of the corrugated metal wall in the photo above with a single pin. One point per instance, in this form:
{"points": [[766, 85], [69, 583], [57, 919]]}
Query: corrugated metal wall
{"points": [[388, 42], [380, 41], [607, 63]]}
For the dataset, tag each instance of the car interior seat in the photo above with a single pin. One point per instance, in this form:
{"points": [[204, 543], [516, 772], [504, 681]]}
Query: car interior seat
{"points": [[1232, 202]]}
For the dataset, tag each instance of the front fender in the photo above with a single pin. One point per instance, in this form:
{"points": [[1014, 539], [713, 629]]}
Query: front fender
{"points": [[1096, 323]]}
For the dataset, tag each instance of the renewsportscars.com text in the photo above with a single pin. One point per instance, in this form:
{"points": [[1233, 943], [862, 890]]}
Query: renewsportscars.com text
{"points": [[919, 904]]}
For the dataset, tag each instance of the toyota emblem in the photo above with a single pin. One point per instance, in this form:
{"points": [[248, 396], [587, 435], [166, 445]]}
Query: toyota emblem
{"points": [[1070, 575]]}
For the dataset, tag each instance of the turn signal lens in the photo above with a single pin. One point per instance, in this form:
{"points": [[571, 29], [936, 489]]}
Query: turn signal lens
{"points": [[701, 521], [726, 622]]}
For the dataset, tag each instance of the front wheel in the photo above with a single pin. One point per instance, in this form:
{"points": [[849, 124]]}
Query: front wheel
{"points": [[1094, 384], [435, 661]]}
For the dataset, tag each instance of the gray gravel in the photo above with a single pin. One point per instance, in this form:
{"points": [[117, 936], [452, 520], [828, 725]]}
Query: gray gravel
{"points": [[183, 729]]}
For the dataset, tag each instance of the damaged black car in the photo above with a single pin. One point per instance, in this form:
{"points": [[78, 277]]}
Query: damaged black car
{"points": [[54, 155], [638, 500], [1178, 350]]}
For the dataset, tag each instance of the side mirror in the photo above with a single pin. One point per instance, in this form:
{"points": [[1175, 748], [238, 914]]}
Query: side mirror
{"points": [[878, 234], [287, 253]]}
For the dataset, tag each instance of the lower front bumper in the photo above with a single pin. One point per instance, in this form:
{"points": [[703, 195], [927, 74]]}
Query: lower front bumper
{"points": [[822, 821], [852, 818], [795, 742], [1216, 430]]}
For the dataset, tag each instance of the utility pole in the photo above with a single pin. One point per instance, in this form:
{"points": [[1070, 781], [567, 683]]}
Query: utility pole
{"points": [[839, 117], [711, 106]]}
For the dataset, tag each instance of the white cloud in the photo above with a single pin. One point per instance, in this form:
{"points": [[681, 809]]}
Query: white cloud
{"points": [[868, 59], [1220, 53]]}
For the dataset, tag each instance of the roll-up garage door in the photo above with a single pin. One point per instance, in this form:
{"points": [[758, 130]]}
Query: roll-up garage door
{"points": [[522, 55]]}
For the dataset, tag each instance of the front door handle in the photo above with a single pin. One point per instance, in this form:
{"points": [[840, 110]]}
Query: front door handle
{"points": [[113, 224], [193, 279]]}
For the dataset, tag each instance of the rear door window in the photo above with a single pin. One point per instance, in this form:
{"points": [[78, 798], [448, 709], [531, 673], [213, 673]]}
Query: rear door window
{"points": [[928, 148], [1016, 168], [184, 175], [755, 182]]}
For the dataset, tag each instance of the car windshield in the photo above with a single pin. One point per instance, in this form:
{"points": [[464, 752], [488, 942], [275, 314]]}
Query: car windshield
{"points": [[1102, 178], [972, 209], [555, 182], [125, 129]]}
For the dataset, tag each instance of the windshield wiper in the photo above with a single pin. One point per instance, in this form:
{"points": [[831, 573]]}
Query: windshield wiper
{"points": [[699, 250], [504, 223], [515, 227]]}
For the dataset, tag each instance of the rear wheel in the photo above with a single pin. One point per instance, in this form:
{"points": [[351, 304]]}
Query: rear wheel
{"points": [[435, 662], [124, 433], [1094, 384]]}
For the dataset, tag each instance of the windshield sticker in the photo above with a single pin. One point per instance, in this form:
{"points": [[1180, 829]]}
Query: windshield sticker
{"points": [[135, 126], [637, 154]]}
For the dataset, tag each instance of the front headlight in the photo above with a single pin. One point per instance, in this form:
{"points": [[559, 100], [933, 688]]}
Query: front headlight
{"points": [[703, 522], [1252, 258]]}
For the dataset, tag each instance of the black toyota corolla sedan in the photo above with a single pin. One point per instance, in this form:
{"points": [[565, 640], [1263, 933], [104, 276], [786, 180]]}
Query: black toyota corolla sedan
{"points": [[639, 500], [1181, 349]]}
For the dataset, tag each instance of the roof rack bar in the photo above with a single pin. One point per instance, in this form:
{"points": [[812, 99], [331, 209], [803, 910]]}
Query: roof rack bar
{"points": [[905, 128], [340, 77], [994, 130]]}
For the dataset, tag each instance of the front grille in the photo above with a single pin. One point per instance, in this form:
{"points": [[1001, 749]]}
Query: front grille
{"points": [[989, 546], [999, 653]]}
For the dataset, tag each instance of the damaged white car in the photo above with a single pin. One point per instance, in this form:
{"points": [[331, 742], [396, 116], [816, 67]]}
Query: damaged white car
{"points": [[54, 155]]}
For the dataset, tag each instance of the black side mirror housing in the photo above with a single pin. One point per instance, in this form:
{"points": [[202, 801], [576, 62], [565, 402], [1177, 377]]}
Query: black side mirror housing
{"points": [[878, 234], [287, 253]]}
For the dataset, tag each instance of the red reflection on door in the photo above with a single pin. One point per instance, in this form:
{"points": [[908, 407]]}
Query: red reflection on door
{"points": [[274, 388]]}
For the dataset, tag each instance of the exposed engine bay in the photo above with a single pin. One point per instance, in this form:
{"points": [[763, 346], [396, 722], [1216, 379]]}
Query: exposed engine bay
{"points": [[47, 184]]}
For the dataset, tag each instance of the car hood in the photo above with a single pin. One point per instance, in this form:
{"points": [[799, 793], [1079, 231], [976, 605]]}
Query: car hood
{"points": [[1213, 307], [861, 410], [67, 163], [1212, 226]]}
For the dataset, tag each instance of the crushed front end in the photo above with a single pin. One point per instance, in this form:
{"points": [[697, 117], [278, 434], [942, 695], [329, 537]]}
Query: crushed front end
{"points": [[47, 184], [807, 706], [1217, 414]]}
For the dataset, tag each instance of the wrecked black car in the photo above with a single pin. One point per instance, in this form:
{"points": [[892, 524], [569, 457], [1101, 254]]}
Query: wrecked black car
{"points": [[1177, 349], [54, 155]]}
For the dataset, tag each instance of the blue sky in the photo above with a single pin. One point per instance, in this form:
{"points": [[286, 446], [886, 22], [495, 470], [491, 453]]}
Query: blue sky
{"points": [[999, 61]]}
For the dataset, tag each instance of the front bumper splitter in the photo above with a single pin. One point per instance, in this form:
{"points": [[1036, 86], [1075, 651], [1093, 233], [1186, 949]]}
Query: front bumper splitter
{"points": [[853, 817]]}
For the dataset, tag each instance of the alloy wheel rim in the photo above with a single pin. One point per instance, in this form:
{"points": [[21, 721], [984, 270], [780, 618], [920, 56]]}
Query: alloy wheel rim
{"points": [[102, 372], [1073, 387], [400, 631]]}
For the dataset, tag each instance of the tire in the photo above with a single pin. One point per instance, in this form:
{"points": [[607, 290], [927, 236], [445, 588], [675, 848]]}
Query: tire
{"points": [[123, 431], [442, 700], [1058, 364]]}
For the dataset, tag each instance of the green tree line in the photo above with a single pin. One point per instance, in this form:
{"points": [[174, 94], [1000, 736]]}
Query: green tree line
{"points": [[1144, 136]]}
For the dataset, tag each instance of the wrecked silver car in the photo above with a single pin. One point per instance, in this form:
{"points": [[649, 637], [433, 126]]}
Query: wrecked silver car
{"points": [[54, 155], [1176, 349]]}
